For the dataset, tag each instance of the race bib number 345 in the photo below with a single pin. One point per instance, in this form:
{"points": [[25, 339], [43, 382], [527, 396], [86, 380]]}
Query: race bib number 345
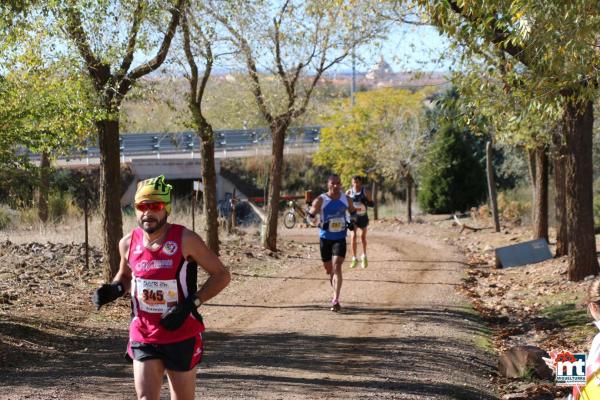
{"points": [[156, 296]]}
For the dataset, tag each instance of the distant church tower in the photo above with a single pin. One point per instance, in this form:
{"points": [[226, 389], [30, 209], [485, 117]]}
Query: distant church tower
{"points": [[380, 71]]}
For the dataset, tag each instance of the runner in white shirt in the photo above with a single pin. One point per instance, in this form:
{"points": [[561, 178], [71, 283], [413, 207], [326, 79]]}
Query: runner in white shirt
{"points": [[361, 198]]}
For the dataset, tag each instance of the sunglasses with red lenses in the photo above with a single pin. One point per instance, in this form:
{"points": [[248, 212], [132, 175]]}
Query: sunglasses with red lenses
{"points": [[156, 207]]}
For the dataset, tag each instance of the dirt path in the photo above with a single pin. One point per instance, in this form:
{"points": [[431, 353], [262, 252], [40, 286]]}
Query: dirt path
{"points": [[403, 333]]}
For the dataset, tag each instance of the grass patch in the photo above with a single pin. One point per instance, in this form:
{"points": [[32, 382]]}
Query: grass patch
{"points": [[567, 314], [582, 334], [552, 299], [6, 217], [394, 208], [483, 338], [484, 342]]}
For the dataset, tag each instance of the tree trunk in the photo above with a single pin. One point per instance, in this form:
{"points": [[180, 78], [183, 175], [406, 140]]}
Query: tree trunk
{"points": [[278, 130], [86, 217], [110, 195], [233, 211], [209, 178], [532, 176], [492, 186], [540, 206], [579, 119], [560, 199], [409, 186], [374, 195], [44, 187]]}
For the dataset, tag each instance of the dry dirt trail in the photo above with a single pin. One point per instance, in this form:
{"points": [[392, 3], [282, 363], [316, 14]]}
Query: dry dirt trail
{"points": [[404, 333]]}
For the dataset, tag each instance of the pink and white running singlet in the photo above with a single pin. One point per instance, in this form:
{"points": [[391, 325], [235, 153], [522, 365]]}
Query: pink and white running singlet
{"points": [[160, 279]]}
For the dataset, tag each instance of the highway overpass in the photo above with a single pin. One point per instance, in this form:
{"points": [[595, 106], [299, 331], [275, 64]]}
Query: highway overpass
{"points": [[177, 155]]}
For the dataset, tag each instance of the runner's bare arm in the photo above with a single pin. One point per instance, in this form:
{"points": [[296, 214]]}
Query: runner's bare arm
{"points": [[316, 206], [315, 209], [351, 208], [370, 201], [194, 248], [123, 276]]}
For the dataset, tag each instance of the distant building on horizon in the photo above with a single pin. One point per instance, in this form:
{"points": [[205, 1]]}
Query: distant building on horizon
{"points": [[380, 71], [382, 75]]}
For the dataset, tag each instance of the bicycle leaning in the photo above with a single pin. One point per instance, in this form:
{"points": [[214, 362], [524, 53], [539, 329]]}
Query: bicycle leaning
{"points": [[295, 213]]}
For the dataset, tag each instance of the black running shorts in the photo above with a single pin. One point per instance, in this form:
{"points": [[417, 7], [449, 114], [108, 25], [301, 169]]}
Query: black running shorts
{"points": [[362, 221], [330, 248], [178, 356]]}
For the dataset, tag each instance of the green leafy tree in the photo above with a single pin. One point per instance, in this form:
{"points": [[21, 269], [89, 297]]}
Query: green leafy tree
{"points": [[451, 177], [110, 37], [44, 109], [349, 139], [452, 107], [383, 134], [550, 52]]}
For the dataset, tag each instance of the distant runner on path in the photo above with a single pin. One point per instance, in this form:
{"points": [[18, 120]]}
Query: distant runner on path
{"points": [[361, 198], [332, 207], [159, 268]]}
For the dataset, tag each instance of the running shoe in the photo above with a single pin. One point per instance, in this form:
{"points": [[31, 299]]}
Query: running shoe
{"points": [[353, 263], [335, 307], [364, 263]]}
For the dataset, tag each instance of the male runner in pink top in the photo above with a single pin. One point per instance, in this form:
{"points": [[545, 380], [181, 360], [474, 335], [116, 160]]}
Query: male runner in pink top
{"points": [[159, 269]]}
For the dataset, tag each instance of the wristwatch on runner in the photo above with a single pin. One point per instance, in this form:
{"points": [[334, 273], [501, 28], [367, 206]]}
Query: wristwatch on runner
{"points": [[197, 302]]}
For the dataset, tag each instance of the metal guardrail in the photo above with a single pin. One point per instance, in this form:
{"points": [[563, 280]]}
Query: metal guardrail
{"points": [[186, 142]]}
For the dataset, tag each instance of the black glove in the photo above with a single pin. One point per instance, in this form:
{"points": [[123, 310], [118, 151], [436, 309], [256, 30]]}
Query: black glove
{"points": [[350, 225], [107, 293], [174, 317], [325, 226]]}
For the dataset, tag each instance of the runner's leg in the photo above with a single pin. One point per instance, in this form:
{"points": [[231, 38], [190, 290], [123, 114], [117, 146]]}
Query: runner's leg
{"points": [[328, 265], [363, 238], [353, 260], [353, 242], [148, 378], [182, 384], [336, 277]]}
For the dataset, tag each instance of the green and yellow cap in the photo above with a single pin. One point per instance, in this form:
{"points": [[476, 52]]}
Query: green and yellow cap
{"points": [[154, 189]]}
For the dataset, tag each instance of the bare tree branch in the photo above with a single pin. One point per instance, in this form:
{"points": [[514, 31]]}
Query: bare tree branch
{"points": [[135, 27], [277, 40], [189, 56], [74, 27], [323, 67], [243, 44], [309, 59], [197, 91], [155, 62], [280, 71], [208, 55]]}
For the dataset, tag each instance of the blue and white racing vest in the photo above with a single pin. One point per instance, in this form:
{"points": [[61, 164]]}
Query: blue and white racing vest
{"points": [[334, 212], [359, 201]]}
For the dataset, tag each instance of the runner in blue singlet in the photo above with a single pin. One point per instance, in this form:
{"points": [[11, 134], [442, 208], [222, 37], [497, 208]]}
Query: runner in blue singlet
{"points": [[331, 208]]}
